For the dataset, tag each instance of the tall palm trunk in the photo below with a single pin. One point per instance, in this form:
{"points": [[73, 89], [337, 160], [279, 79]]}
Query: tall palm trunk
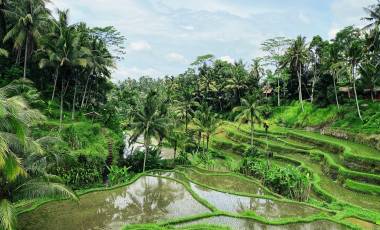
{"points": [[300, 87], [85, 90], [55, 82], [278, 93], [145, 154], [175, 149], [252, 129], [336, 93], [313, 86], [207, 141], [74, 100], [63, 92], [356, 95], [26, 55]]}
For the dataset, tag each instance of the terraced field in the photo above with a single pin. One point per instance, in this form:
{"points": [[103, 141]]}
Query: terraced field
{"points": [[344, 196], [346, 175]]}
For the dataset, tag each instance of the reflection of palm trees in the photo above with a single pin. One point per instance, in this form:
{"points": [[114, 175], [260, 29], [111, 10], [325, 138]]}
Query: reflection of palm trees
{"points": [[262, 207], [144, 201]]}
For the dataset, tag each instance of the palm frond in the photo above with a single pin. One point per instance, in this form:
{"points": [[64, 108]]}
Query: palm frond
{"points": [[8, 217], [44, 188]]}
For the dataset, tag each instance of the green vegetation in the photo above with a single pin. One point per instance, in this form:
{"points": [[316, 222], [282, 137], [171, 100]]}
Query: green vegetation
{"points": [[219, 129]]}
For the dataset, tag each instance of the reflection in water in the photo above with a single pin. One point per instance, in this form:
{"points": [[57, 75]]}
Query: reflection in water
{"points": [[226, 182], [246, 224], [147, 200], [268, 208]]}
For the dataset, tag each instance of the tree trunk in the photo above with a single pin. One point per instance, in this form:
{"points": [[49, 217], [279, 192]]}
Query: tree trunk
{"points": [[203, 145], [186, 114], [313, 84], [278, 93], [355, 93], [26, 55], [74, 99], [55, 82], [300, 88], [207, 141], [63, 92], [252, 127], [145, 154], [336, 93], [85, 90], [175, 149]]}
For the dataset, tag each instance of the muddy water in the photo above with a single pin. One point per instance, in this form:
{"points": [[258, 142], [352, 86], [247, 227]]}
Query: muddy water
{"points": [[147, 200], [264, 207], [227, 182], [247, 224]]}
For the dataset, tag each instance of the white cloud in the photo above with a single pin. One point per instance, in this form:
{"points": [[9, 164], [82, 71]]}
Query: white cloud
{"points": [[227, 59], [304, 18], [176, 57], [348, 12], [139, 46], [188, 27]]}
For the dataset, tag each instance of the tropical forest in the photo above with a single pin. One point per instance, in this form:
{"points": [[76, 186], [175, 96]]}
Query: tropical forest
{"points": [[287, 139]]}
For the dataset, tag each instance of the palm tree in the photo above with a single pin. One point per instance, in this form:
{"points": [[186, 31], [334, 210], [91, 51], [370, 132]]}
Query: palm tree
{"points": [[15, 145], [337, 69], [207, 123], [149, 122], [354, 55], [249, 111], [373, 17], [296, 57], [237, 81], [257, 70], [99, 60], [30, 16]]}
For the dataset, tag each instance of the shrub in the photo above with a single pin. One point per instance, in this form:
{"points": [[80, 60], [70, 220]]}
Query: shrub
{"points": [[287, 181], [153, 160], [118, 175], [81, 172]]}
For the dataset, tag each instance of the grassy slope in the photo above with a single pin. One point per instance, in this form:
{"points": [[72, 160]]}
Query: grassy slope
{"points": [[80, 136], [345, 119]]}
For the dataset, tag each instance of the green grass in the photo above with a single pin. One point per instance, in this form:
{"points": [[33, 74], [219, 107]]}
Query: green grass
{"points": [[345, 119]]}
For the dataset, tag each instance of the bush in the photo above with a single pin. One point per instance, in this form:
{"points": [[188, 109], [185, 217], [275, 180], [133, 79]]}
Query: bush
{"points": [[153, 161], [118, 175], [182, 159], [287, 181], [81, 172]]}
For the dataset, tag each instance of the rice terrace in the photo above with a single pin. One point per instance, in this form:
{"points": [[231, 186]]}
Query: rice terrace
{"points": [[213, 114]]}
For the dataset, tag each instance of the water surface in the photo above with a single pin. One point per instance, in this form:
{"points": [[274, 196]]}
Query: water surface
{"points": [[270, 209], [147, 200]]}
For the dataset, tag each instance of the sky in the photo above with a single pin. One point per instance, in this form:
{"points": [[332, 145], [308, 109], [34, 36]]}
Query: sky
{"points": [[165, 36]]}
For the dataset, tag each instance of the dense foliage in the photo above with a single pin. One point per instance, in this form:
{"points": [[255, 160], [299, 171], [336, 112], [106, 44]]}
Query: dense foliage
{"points": [[287, 181]]}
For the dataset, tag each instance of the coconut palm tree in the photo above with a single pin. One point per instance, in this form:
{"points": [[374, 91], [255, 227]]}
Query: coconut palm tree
{"points": [[373, 17], [249, 110], [354, 54], [206, 122], [99, 60], [30, 16], [149, 122], [238, 80], [336, 70], [296, 57], [17, 180]]}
